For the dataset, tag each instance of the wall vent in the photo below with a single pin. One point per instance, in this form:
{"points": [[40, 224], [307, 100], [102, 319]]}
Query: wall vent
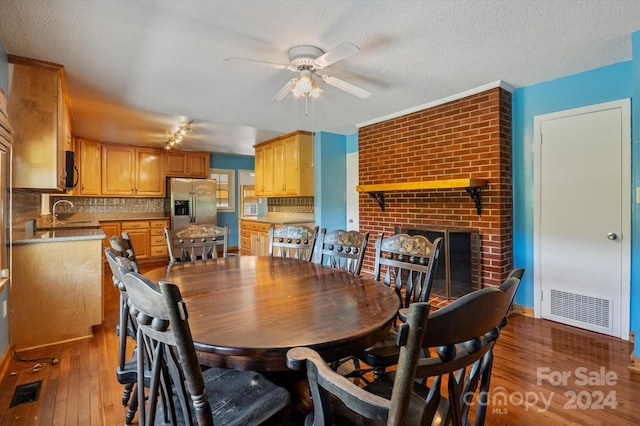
{"points": [[579, 307]]}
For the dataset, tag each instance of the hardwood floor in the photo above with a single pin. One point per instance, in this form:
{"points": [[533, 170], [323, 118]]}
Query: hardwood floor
{"points": [[544, 373]]}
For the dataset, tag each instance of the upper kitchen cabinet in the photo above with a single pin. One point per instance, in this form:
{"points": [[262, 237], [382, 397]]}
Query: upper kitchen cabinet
{"points": [[187, 164], [129, 171], [264, 170], [40, 114], [284, 166], [89, 159]]}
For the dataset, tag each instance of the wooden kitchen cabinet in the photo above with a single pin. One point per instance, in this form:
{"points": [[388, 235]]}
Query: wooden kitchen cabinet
{"points": [[56, 292], [264, 171], [149, 173], [290, 166], [147, 236], [187, 164], [139, 235], [89, 167], [157, 242], [254, 238], [110, 229], [130, 171], [40, 114]]}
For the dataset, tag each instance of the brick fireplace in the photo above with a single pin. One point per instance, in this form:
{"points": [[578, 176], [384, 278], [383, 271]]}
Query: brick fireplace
{"points": [[465, 138]]}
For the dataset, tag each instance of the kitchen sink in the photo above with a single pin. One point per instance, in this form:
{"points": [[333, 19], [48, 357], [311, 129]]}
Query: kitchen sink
{"points": [[68, 224]]}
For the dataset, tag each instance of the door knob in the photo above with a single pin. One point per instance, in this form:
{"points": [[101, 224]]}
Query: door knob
{"points": [[612, 236]]}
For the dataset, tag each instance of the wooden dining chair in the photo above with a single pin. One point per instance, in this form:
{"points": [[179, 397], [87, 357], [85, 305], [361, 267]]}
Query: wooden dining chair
{"points": [[340, 249], [407, 264], [437, 389], [515, 273], [180, 392], [126, 370], [123, 246], [196, 242], [293, 241]]}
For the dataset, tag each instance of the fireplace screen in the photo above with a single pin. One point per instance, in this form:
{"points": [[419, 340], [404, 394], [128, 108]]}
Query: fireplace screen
{"points": [[458, 270]]}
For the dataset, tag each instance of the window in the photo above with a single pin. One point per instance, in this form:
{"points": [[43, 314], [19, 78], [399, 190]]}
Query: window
{"points": [[248, 205], [225, 189]]}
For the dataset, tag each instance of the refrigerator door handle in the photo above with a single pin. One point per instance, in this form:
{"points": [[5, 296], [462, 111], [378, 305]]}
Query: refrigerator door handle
{"points": [[193, 208]]}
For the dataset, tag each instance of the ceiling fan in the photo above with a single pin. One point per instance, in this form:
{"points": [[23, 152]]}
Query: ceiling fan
{"points": [[307, 61]]}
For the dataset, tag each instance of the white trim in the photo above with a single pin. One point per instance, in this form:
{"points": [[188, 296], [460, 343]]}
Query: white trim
{"points": [[231, 184], [625, 106], [442, 101]]}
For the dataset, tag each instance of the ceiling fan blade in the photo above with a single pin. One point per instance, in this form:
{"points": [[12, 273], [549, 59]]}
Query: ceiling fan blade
{"points": [[253, 61], [336, 54], [286, 89], [347, 87]]}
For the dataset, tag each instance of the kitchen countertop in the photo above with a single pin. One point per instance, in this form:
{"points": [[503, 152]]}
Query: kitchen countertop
{"points": [[107, 217], [22, 236], [282, 218], [76, 227], [86, 226]]}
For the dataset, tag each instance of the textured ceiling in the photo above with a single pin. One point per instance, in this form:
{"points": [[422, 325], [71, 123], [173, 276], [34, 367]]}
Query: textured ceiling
{"points": [[136, 70]]}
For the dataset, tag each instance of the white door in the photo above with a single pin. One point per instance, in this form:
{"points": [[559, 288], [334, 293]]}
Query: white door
{"points": [[582, 217], [353, 215]]}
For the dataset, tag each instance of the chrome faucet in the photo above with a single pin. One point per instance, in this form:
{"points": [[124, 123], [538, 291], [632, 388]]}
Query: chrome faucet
{"points": [[53, 210]]}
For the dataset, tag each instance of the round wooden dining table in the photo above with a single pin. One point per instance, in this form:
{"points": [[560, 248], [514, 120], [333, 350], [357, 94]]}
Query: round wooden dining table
{"points": [[246, 312]]}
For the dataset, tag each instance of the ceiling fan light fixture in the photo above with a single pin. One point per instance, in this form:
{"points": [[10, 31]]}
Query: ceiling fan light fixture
{"points": [[305, 86], [297, 92], [315, 90], [304, 82]]}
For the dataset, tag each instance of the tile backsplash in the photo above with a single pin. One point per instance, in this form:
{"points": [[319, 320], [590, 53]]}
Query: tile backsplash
{"points": [[25, 206], [291, 205], [108, 205]]}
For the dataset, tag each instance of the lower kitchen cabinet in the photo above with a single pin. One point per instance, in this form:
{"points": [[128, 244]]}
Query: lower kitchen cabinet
{"points": [[147, 236], [157, 242], [110, 229], [56, 292], [138, 231], [254, 238]]}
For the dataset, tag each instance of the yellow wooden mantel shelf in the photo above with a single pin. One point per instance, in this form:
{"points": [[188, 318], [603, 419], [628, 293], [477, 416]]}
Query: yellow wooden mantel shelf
{"points": [[471, 185]]}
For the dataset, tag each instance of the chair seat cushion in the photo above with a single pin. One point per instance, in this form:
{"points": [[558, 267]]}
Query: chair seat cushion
{"points": [[382, 387], [128, 373], [384, 353], [238, 398], [231, 390]]}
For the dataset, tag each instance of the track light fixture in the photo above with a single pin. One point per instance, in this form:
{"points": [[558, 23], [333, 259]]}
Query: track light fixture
{"points": [[176, 138]]}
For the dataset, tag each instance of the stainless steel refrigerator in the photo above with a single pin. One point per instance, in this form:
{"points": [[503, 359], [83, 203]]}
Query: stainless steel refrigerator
{"points": [[191, 201]]}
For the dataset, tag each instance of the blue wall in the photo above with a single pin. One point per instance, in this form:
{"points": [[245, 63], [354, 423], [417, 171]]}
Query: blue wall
{"points": [[591, 87], [613, 82], [236, 162], [635, 183], [4, 322], [352, 143], [330, 177]]}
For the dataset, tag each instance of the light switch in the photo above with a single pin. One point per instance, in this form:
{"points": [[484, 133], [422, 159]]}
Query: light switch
{"points": [[638, 195]]}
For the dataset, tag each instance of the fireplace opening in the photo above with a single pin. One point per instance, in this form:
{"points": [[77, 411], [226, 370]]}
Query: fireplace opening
{"points": [[458, 270]]}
